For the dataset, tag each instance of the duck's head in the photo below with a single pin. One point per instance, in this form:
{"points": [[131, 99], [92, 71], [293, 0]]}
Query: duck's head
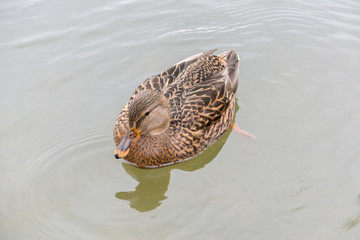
{"points": [[149, 114]]}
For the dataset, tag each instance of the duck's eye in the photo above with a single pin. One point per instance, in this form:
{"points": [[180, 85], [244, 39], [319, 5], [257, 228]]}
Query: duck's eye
{"points": [[147, 113]]}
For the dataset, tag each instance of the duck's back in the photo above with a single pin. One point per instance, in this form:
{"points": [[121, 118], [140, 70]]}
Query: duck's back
{"points": [[201, 70]]}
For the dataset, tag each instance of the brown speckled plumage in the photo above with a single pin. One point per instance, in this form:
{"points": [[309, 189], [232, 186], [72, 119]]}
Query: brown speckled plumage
{"points": [[200, 91]]}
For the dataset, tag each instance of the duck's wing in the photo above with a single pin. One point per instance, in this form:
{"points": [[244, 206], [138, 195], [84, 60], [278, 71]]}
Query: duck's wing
{"points": [[205, 103]]}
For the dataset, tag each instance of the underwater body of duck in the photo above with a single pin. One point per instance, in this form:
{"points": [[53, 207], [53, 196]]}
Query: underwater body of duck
{"points": [[180, 112]]}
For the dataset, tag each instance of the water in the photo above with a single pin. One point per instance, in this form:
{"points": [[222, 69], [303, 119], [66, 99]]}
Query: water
{"points": [[68, 67]]}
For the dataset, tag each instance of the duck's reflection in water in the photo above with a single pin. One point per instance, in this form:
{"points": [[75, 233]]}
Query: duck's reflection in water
{"points": [[153, 183]]}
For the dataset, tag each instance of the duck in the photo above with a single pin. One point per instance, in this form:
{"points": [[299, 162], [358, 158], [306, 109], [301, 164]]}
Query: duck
{"points": [[174, 115]]}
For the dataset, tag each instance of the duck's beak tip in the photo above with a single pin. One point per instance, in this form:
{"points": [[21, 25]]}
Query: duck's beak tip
{"points": [[121, 154]]}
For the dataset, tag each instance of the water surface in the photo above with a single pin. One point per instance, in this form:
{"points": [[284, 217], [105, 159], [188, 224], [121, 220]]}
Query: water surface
{"points": [[68, 67]]}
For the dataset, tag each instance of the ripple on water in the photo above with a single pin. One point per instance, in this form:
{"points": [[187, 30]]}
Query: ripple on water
{"points": [[61, 184]]}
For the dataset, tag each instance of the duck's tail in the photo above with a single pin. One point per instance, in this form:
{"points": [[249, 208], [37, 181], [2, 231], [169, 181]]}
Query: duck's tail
{"points": [[232, 69]]}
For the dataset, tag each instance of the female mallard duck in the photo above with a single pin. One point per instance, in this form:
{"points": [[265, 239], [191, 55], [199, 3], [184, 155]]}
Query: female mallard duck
{"points": [[177, 114]]}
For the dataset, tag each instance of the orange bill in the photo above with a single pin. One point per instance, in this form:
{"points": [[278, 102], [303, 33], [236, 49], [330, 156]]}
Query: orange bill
{"points": [[127, 143]]}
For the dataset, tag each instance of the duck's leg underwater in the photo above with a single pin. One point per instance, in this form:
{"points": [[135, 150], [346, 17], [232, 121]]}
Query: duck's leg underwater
{"points": [[238, 130]]}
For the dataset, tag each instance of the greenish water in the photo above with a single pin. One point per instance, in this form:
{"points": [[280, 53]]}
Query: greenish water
{"points": [[68, 67]]}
